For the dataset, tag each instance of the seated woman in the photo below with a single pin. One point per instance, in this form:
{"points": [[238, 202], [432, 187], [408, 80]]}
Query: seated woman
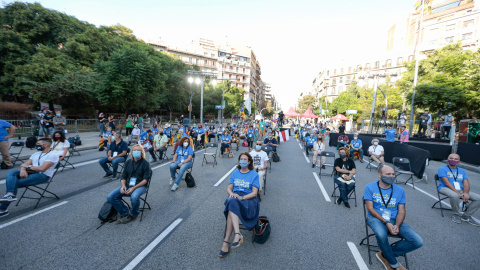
{"points": [[344, 175], [242, 202], [318, 148], [60, 145], [226, 140], [182, 160]]}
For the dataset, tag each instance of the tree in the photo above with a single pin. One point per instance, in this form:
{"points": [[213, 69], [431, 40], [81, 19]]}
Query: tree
{"points": [[308, 101]]}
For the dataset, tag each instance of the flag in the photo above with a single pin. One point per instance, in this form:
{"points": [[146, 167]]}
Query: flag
{"points": [[242, 113], [248, 104], [285, 135]]}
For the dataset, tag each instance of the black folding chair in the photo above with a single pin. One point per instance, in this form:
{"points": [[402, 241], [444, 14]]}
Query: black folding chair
{"points": [[352, 195], [143, 198], [73, 150], [211, 154], [327, 155], [375, 248], [370, 164], [40, 190], [440, 197], [164, 157], [16, 155], [120, 164], [66, 162], [402, 166], [268, 149]]}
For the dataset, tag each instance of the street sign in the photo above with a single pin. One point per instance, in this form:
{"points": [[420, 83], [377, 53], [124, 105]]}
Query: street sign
{"points": [[219, 107], [351, 111]]}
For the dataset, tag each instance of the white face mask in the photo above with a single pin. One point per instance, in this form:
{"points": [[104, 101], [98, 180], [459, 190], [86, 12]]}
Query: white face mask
{"points": [[185, 144], [355, 138], [375, 143]]}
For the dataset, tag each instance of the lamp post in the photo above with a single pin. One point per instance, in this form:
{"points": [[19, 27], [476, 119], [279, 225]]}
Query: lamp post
{"points": [[228, 56], [201, 76], [375, 86]]}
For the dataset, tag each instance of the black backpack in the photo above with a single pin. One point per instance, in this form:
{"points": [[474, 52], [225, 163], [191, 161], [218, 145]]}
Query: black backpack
{"points": [[30, 142], [107, 213], [262, 230], [189, 180], [275, 157]]}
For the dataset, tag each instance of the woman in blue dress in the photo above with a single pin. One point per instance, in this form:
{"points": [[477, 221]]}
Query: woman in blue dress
{"points": [[242, 202]]}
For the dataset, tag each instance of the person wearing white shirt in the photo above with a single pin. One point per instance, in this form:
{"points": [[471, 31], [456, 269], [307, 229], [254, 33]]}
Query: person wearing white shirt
{"points": [[318, 147], [429, 122], [135, 134], [376, 152], [60, 145], [260, 162]]}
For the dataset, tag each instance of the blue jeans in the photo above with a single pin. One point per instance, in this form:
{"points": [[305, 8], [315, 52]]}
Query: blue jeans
{"points": [[13, 182], [173, 169], [115, 198], [102, 128], [141, 127], [344, 188], [352, 152], [412, 240], [103, 162]]}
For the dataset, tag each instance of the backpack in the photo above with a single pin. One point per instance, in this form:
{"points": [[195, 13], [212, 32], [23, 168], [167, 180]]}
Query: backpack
{"points": [[189, 180], [275, 157], [107, 213], [262, 230], [244, 144], [30, 142]]}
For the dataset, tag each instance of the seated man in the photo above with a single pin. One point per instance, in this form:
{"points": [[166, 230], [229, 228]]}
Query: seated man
{"points": [[260, 162], [342, 140], [226, 140], [116, 153], [376, 152], [236, 137], [356, 146], [135, 134], [38, 169], [270, 141], [200, 134], [135, 177], [160, 142], [344, 177], [454, 184], [385, 202], [309, 141], [220, 132]]}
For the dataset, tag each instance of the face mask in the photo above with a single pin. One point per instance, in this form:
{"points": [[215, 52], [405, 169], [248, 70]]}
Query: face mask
{"points": [[388, 180], [453, 162], [355, 138], [109, 130], [58, 114], [243, 164], [185, 144], [57, 138], [258, 147], [39, 147], [161, 133], [113, 138], [343, 156], [449, 114], [375, 143], [136, 154]]}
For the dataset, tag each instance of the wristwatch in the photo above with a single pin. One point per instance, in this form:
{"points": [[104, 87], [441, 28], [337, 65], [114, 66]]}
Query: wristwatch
{"points": [[385, 222], [29, 167], [243, 198]]}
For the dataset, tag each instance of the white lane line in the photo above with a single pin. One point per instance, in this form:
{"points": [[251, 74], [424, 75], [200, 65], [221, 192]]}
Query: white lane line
{"points": [[161, 165], [152, 245], [306, 158], [225, 176], [85, 163], [358, 258], [2, 182], [300, 146], [327, 198], [31, 215]]}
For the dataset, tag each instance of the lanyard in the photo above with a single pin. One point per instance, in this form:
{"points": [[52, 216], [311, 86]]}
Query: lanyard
{"points": [[381, 195], [135, 169], [40, 157], [453, 175]]}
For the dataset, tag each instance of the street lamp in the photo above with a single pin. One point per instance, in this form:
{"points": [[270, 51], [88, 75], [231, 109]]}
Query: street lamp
{"points": [[201, 75], [375, 86], [228, 56], [191, 80]]}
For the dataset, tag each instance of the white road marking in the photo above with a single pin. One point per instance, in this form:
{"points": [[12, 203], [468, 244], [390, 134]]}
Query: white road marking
{"points": [[300, 146], [2, 182], [225, 176], [358, 258], [306, 158], [327, 198], [85, 163], [152, 245], [31, 215]]}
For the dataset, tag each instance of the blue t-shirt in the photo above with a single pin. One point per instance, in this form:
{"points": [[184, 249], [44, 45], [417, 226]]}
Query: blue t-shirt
{"points": [[226, 139], [356, 143], [3, 132], [310, 140], [244, 181], [372, 193], [445, 171], [143, 136], [390, 134], [106, 135], [250, 133], [183, 153], [262, 125], [199, 130], [168, 131]]}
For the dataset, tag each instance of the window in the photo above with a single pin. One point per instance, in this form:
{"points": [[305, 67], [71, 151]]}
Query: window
{"points": [[222, 54], [348, 80], [447, 6], [334, 72], [340, 89], [349, 69], [399, 61], [377, 64], [467, 36], [213, 63], [388, 63], [410, 58], [205, 53], [341, 71], [340, 80], [197, 62], [333, 90], [450, 27], [213, 55], [206, 62], [367, 66], [328, 72], [449, 40], [190, 60], [432, 42], [334, 81], [468, 24]]}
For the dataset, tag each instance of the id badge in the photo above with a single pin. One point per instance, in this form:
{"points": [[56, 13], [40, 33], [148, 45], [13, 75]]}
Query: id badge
{"points": [[115, 154], [158, 145], [386, 214], [457, 185], [133, 181], [250, 135]]}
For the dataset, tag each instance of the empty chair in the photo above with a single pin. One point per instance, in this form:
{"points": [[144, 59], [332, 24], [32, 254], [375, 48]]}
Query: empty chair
{"points": [[327, 155], [18, 147], [402, 166], [210, 151]]}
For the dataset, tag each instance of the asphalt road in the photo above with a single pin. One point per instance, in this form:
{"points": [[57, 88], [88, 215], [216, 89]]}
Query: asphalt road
{"points": [[184, 229]]}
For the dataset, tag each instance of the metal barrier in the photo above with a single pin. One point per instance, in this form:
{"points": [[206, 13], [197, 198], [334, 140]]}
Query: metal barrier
{"points": [[87, 125], [23, 127]]}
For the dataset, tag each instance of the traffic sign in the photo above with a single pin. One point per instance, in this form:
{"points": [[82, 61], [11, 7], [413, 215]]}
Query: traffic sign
{"points": [[219, 107], [351, 111]]}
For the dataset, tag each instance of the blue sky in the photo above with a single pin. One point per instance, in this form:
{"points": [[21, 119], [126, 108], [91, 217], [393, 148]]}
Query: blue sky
{"points": [[293, 40]]}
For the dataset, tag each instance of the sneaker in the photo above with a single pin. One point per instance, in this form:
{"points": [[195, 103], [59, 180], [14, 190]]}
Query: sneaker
{"points": [[323, 167], [313, 165], [456, 219], [361, 160], [171, 182], [347, 205], [8, 198], [174, 187], [114, 175], [107, 175], [383, 261], [400, 267], [4, 214], [126, 219], [470, 220]]}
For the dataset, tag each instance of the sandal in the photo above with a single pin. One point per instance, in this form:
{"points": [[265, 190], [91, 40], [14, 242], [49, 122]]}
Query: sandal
{"points": [[224, 254], [239, 243]]}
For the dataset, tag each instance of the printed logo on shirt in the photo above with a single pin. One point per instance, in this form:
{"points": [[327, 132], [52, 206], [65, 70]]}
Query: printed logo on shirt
{"points": [[378, 199], [459, 176], [241, 183]]}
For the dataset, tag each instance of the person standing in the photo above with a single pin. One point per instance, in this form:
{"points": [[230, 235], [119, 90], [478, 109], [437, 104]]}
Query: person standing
{"points": [[129, 126], [111, 122], [4, 145], [447, 124], [404, 135], [402, 119], [262, 128], [101, 121], [390, 131], [429, 122], [140, 123], [59, 122], [423, 125], [341, 128]]}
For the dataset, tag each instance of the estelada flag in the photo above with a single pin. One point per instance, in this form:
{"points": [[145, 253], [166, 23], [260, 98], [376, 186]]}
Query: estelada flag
{"points": [[242, 113]]}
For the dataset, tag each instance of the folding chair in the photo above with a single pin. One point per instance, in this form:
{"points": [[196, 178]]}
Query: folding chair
{"points": [[66, 162], [370, 164], [210, 154], [268, 150], [334, 195], [143, 198], [189, 170], [398, 165], [16, 155], [375, 248], [40, 190], [121, 165], [73, 150], [164, 155], [440, 198], [327, 154]]}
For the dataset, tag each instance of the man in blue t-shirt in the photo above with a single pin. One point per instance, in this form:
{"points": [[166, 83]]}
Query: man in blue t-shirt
{"points": [[117, 153], [356, 146], [390, 133], [4, 146], [309, 141], [453, 182], [385, 202]]}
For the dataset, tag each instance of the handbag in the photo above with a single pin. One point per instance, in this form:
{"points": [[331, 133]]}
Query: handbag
{"points": [[262, 230]]}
